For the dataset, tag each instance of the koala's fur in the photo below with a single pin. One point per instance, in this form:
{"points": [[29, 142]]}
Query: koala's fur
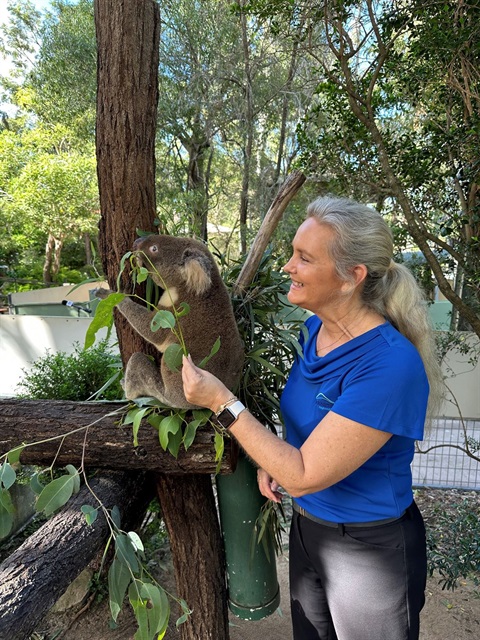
{"points": [[190, 275]]}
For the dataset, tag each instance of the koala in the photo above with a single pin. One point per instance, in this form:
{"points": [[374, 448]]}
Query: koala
{"points": [[186, 272]]}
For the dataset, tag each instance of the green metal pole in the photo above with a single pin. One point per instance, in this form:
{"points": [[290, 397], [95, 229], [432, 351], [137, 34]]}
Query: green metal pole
{"points": [[252, 579]]}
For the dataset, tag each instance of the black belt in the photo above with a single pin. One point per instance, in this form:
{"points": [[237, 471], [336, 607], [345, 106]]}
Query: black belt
{"points": [[335, 525]]}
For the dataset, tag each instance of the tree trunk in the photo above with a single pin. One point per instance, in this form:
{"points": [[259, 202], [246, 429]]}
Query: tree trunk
{"points": [[103, 444], [40, 570], [47, 264], [127, 97], [196, 542]]}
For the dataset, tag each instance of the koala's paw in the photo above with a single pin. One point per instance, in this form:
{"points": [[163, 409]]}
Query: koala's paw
{"points": [[102, 293]]}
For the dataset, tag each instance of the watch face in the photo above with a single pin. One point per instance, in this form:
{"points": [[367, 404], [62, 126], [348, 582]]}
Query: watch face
{"points": [[226, 418]]}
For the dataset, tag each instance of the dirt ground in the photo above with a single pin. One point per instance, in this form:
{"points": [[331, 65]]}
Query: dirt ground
{"points": [[448, 615]]}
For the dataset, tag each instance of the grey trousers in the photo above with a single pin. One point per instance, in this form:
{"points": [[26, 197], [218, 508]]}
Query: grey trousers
{"points": [[355, 583]]}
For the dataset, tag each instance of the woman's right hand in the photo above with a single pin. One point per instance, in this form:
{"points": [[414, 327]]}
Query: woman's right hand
{"points": [[268, 486]]}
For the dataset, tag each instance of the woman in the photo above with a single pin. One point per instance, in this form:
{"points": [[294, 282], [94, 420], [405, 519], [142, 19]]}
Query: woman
{"points": [[353, 407]]}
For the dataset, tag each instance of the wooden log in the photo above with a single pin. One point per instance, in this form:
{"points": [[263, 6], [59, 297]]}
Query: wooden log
{"points": [[40, 570], [103, 444], [287, 191]]}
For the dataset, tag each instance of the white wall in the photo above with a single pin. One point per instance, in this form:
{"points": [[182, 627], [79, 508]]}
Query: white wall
{"points": [[463, 380], [23, 339]]}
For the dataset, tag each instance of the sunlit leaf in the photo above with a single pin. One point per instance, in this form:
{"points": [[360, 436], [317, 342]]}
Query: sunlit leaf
{"points": [[103, 317], [169, 424], [13, 456], [90, 513]]}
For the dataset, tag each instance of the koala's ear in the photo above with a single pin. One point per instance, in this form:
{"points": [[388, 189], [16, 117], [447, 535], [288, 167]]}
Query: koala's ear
{"points": [[196, 271]]}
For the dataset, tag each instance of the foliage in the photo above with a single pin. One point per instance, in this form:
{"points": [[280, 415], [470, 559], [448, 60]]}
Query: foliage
{"points": [[454, 545], [269, 327], [81, 375]]}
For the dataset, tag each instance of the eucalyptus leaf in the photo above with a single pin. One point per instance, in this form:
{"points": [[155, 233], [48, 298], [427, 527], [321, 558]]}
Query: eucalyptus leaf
{"points": [[137, 420], [55, 494], [183, 309], [172, 356], [119, 577], [142, 275], [13, 456], [162, 320], [213, 351], [6, 513], [169, 424], [115, 515], [103, 317], [35, 485], [90, 513], [7, 475], [126, 552]]}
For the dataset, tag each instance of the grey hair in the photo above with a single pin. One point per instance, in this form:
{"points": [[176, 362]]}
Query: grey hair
{"points": [[361, 236]]}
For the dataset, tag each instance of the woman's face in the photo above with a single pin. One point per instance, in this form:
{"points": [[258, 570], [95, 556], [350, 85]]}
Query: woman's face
{"points": [[315, 282]]}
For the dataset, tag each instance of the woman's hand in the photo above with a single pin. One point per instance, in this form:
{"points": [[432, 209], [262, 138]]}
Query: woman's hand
{"points": [[201, 387], [268, 486]]}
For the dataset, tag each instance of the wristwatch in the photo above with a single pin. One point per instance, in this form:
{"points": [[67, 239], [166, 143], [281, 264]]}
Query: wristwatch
{"points": [[229, 412]]}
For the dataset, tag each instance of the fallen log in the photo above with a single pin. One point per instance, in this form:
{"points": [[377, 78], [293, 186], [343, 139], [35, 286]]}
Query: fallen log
{"points": [[34, 577], [102, 445]]}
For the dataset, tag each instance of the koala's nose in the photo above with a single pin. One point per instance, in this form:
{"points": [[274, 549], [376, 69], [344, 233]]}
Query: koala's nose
{"points": [[137, 243]]}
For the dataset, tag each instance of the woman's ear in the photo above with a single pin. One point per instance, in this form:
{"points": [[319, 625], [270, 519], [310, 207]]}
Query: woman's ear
{"points": [[359, 273]]}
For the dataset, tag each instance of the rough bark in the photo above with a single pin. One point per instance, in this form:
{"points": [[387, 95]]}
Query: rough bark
{"points": [[40, 570], [127, 98], [104, 444], [196, 542], [127, 95]]}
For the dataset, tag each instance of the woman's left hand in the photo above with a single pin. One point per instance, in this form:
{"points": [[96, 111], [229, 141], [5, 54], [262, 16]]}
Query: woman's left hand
{"points": [[201, 387]]}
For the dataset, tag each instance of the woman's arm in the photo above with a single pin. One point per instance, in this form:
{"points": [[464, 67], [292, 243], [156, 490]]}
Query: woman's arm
{"points": [[336, 447]]}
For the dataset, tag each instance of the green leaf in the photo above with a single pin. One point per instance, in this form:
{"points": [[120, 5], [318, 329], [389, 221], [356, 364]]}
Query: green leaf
{"points": [[213, 351], [103, 317], [190, 433], [139, 606], [35, 485], [162, 320], [55, 494], [136, 423], [13, 456], [170, 424], [174, 443], [90, 513], [122, 266], [6, 513], [172, 356], [219, 449], [7, 475], [183, 309], [76, 477], [142, 275], [119, 577], [158, 609], [136, 541], [115, 515], [125, 552]]}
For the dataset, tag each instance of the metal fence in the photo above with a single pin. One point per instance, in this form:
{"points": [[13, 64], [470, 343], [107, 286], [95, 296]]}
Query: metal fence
{"points": [[445, 465]]}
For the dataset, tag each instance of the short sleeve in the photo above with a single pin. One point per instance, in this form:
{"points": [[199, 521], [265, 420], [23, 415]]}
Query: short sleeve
{"points": [[388, 392]]}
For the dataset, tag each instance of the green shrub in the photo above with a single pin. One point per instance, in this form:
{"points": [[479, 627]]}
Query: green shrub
{"points": [[81, 375]]}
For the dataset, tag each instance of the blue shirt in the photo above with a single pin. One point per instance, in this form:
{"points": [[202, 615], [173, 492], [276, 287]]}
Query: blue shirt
{"points": [[377, 379]]}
